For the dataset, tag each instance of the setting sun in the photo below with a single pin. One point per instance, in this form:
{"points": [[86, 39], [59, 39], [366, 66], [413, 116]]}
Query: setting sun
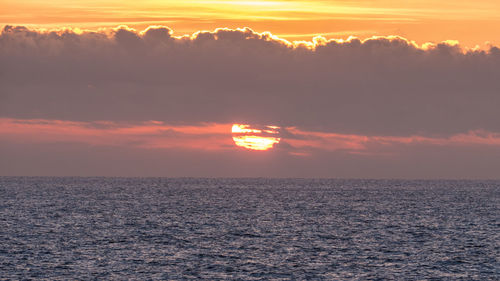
{"points": [[255, 138]]}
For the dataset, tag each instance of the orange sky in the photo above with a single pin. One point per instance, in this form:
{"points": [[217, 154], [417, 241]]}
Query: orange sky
{"points": [[470, 22]]}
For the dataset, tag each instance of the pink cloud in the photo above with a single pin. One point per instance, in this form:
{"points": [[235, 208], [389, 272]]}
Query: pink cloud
{"points": [[214, 136], [151, 134], [302, 140]]}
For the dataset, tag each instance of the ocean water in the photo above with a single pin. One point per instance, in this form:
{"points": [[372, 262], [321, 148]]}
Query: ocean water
{"points": [[248, 229]]}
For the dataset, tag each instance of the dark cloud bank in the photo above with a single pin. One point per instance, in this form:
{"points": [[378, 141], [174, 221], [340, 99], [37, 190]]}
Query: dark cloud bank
{"points": [[383, 86]]}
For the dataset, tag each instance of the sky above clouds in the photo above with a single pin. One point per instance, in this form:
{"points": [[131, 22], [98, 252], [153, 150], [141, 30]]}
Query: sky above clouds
{"points": [[151, 102], [470, 22]]}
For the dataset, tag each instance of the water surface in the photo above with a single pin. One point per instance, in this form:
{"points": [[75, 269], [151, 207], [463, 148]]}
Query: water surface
{"points": [[248, 229]]}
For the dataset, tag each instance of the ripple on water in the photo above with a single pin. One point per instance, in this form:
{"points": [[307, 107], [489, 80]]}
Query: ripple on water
{"points": [[252, 229]]}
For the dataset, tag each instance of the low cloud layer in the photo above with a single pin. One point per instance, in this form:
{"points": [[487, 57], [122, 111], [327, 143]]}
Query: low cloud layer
{"points": [[376, 87]]}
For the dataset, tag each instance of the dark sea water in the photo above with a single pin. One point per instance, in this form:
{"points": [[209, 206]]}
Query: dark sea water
{"points": [[248, 229]]}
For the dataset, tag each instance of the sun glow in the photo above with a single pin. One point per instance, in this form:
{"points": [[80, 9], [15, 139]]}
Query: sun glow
{"points": [[255, 139]]}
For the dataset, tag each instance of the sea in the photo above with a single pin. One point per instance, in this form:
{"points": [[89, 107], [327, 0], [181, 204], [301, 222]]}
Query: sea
{"points": [[78, 228]]}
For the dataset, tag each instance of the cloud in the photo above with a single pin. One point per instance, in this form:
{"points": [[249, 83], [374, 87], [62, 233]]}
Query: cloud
{"points": [[304, 142], [217, 137], [143, 135], [375, 87]]}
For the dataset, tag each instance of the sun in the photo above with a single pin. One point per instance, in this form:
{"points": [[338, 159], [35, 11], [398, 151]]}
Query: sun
{"points": [[262, 138]]}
